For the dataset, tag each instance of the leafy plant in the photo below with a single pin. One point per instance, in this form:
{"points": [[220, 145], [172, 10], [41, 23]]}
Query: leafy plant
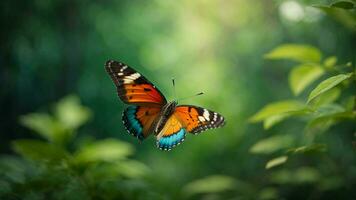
{"points": [[327, 104], [53, 168], [342, 11]]}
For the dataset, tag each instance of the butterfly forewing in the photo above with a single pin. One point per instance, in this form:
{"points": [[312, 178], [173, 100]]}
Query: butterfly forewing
{"points": [[196, 119], [132, 87]]}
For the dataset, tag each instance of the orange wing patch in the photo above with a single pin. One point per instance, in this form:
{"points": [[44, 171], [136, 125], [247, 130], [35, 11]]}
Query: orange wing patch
{"points": [[146, 116], [189, 117], [139, 121], [172, 125], [139, 94]]}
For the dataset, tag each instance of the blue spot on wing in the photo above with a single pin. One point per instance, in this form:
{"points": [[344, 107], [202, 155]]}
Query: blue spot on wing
{"points": [[168, 142], [131, 123]]}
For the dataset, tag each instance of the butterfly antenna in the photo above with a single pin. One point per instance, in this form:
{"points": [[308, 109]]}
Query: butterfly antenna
{"points": [[198, 94], [174, 88]]}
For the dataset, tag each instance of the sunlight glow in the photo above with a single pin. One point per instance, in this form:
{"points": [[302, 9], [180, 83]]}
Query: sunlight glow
{"points": [[292, 11]]}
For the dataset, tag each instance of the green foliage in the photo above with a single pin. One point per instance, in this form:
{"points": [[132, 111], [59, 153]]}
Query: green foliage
{"points": [[105, 150], [308, 149], [343, 4], [322, 109], [342, 11], [69, 115], [66, 172], [277, 108], [298, 176], [330, 62], [300, 53], [211, 184], [272, 144], [44, 125], [276, 161], [39, 150], [276, 112], [302, 76], [328, 84]]}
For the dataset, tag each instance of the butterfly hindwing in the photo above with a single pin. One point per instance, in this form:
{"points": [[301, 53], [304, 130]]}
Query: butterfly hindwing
{"points": [[139, 120], [132, 87], [171, 135], [196, 119]]}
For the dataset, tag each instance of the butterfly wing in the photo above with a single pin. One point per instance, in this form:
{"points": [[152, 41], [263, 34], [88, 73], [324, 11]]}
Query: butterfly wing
{"points": [[139, 120], [171, 135], [132, 87], [196, 119]]}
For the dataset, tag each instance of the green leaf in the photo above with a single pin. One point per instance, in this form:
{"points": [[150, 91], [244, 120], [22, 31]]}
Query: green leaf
{"points": [[326, 98], [330, 61], [276, 108], [38, 150], [210, 184], [320, 125], [327, 110], [345, 17], [120, 168], [276, 161], [328, 84], [308, 149], [343, 4], [69, 116], [105, 150], [297, 52], [303, 75], [301, 175], [269, 122], [273, 120], [272, 144], [70, 113], [131, 168], [42, 124], [307, 175], [328, 115]]}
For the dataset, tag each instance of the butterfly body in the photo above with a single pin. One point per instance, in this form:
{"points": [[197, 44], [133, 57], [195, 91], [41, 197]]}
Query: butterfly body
{"points": [[165, 114], [150, 113]]}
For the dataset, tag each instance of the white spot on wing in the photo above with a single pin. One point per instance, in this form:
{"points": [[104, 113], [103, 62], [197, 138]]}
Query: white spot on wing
{"points": [[123, 68], [135, 76], [206, 115], [128, 80], [202, 119]]}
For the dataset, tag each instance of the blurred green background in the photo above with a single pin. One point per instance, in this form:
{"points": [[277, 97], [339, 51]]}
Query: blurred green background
{"points": [[52, 57]]}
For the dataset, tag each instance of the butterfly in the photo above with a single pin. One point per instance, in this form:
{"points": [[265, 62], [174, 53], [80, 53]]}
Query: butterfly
{"points": [[149, 112]]}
